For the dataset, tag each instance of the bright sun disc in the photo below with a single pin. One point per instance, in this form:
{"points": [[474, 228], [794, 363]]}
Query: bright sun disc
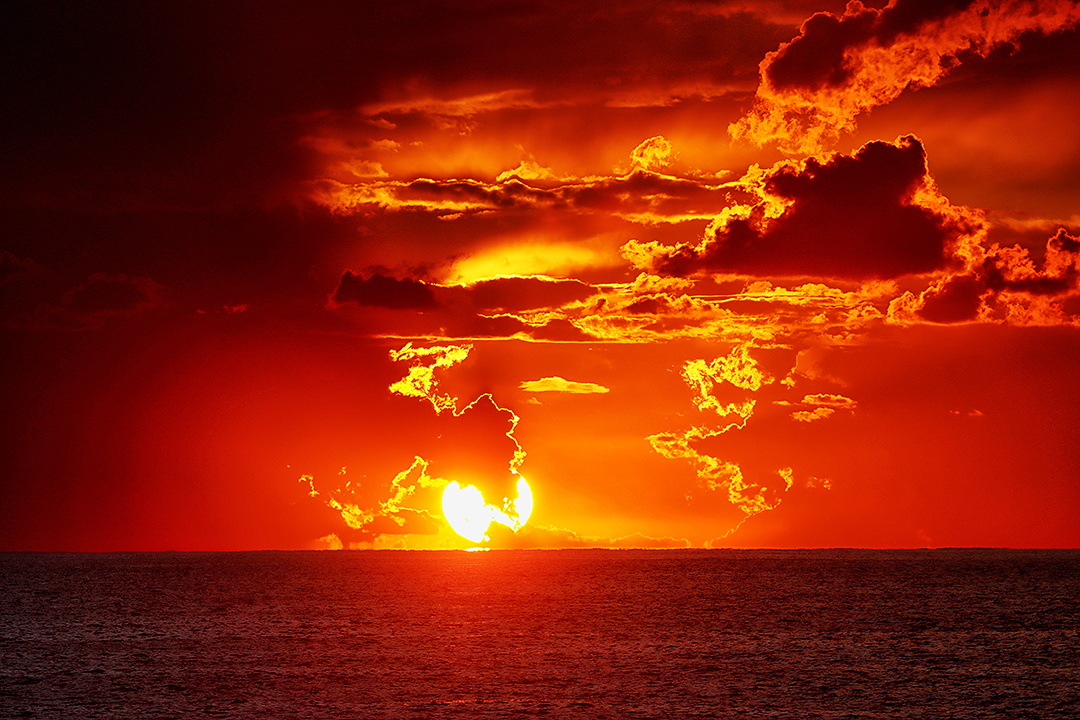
{"points": [[469, 515]]}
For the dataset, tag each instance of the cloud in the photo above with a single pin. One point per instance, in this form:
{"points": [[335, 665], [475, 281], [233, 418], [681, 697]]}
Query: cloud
{"points": [[329, 542], [509, 306], [821, 406], [717, 474], [954, 299], [515, 294], [13, 268], [1006, 285], [365, 169], [558, 384], [456, 107], [477, 446], [813, 87], [810, 415], [506, 293], [474, 445], [829, 400], [110, 295], [420, 381], [655, 152], [382, 291], [739, 370], [529, 169], [874, 214], [641, 195], [100, 299], [477, 441], [371, 512]]}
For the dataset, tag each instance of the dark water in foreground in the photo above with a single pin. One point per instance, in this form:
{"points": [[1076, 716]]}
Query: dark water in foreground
{"points": [[590, 633]]}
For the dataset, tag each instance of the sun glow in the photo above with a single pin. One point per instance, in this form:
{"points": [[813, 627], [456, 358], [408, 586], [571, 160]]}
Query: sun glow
{"points": [[469, 515]]}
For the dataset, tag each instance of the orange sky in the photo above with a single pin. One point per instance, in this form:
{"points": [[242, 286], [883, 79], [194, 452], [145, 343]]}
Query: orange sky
{"points": [[720, 274]]}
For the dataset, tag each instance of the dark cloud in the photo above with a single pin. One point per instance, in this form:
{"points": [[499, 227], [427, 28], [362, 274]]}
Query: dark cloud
{"points": [[955, 300], [382, 291], [476, 448], [483, 309], [817, 58], [198, 102], [649, 305], [560, 330], [13, 268], [101, 298], [537, 537], [845, 217], [839, 66], [1008, 282], [507, 294], [105, 295], [1059, 274]]}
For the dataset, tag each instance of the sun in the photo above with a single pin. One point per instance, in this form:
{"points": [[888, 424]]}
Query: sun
{"points": [[470, 515]]}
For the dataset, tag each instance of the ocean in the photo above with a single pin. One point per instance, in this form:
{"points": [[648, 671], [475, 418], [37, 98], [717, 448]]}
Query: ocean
{"points": [[533, 633]]}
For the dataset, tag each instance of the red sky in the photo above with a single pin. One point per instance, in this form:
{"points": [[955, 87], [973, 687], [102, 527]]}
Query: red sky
{"points": [[723, 274]]}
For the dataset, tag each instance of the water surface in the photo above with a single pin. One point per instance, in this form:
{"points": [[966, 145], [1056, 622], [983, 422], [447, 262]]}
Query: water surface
{"points": [[569, 633]]}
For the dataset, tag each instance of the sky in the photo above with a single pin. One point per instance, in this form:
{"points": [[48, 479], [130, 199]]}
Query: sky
{"points": [[732, 274]]}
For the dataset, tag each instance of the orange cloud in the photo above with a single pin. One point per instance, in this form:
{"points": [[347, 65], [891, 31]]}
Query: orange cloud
{"points": [[656, 152], [810, 415], [830, 401], [838, 67], [641, 195], [475, 446], [455, 107], [421, 382], [822, 406], [381, 511], [739, 370], [1006, 286]]}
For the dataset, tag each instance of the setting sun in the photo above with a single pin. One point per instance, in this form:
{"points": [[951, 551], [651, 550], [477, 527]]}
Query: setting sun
{"points": [[469, 515]]}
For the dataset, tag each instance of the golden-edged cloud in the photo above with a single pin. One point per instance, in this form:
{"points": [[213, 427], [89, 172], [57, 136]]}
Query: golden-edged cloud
{"points": [[874, 214], [820, 406], [739, 370], [1006, 286], [475, 449], [641, 195], [373, 512], [562, 385], [813, 87]]}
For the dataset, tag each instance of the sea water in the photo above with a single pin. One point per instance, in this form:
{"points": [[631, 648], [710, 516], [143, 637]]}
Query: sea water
{"points": [[556, 634]]}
